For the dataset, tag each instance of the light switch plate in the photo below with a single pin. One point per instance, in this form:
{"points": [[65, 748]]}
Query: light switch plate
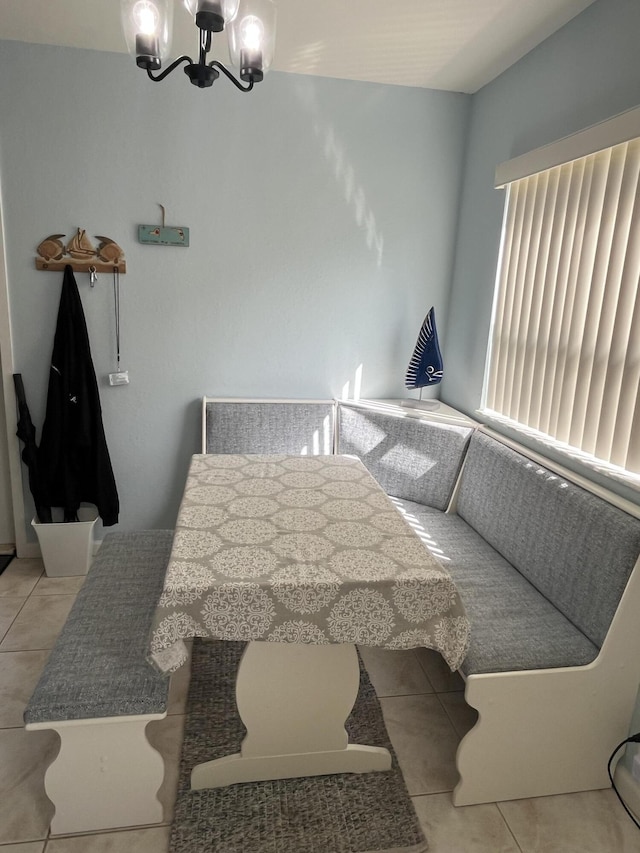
{"points": [[121, 378]]}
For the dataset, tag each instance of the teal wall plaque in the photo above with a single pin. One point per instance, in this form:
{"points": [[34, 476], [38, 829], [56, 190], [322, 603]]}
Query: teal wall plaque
{"points": [[163, 235]]}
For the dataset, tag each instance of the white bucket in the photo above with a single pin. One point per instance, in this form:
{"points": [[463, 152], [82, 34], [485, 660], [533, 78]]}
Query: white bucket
{"points": [[67, 547]]}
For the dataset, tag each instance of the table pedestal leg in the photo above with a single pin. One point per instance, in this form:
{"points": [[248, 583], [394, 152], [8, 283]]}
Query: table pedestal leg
{"points": [[294, 700]]}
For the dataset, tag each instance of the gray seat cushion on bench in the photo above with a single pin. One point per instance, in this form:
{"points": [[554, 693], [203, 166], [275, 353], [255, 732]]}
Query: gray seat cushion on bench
{"points": [[412, 458], [577, 549], [513, 626], [98, 666], [278, 426]]}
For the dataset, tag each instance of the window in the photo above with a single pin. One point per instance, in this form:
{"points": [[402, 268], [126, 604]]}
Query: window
{"points": [[564, 352]]}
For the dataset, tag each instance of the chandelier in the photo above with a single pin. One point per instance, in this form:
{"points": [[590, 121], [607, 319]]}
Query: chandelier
{"points": [[251, 31]]}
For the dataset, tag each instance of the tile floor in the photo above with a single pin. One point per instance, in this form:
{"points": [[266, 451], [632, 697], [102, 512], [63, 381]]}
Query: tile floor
{"points": [[424, 709]]}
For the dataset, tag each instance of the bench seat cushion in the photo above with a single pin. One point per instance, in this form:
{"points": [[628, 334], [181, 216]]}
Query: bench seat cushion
{"points": [[576, 548], [98, 666], [513, 626]]}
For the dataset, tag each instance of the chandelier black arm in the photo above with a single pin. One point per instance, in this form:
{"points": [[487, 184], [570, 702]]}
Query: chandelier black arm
{"points": [[215, 64], [169, 69]]}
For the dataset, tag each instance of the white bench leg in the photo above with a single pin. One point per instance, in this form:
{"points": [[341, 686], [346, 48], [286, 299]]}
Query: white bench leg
{"points": [[106, 774], [294, 700], [539, 733]]}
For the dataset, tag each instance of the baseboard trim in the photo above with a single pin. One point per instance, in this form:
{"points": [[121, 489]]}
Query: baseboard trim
{"points": [[29, 551]]}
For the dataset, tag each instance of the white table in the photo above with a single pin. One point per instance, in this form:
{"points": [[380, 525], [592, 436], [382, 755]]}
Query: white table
{"points": [[304, 557]]}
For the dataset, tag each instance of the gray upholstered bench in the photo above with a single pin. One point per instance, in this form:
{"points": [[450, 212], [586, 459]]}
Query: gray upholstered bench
{"points": [[541, 563], [547, 566], [548, 572], [99, 692]]}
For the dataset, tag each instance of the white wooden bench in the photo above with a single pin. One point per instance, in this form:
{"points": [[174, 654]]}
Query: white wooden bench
{"points": [[98, 692]]}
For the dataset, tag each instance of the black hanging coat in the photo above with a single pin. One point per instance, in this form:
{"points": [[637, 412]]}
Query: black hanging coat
{"points": [[73, 456]]}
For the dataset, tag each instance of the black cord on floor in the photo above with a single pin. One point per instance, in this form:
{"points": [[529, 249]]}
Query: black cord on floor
{"points": [[632, 739]]}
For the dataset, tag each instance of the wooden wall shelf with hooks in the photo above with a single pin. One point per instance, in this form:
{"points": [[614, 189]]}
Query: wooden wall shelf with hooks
{"points": [[54, 254]]}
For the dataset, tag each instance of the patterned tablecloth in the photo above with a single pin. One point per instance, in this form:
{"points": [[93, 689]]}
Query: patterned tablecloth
{"points": [[303, 549]]}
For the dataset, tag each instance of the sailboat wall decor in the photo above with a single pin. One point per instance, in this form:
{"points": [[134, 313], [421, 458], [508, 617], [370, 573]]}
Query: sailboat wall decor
{"points": [[54, 253], [425, 367]]}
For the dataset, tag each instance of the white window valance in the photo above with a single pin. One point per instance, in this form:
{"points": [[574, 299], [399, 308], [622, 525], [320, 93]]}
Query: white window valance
{"points": [[606, 134]]}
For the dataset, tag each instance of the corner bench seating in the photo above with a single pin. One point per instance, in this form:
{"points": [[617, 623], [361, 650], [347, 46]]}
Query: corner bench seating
{"points": [[548, 573], [547, 566], [98, 692]]}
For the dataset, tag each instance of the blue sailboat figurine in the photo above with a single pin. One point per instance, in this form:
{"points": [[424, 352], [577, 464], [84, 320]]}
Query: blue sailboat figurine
{"points": [[425, 367]]}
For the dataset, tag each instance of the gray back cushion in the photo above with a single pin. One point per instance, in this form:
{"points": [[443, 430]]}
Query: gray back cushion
{"points": [[269, 426], [575, 548], [410, 457]]}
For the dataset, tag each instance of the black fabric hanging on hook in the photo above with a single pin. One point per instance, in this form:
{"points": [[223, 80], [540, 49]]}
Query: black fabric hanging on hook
{"points": [[73, 456], [26, 432]]}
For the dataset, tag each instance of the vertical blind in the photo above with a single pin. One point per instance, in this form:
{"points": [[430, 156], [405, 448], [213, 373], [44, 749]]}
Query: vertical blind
{"points": [[564, 353]]}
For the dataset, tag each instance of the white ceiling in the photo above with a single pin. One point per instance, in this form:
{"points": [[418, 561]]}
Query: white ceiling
{"points": [[455, 45]]}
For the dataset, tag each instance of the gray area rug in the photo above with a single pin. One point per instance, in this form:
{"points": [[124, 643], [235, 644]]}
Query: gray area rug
{"points": [[341, 813]]}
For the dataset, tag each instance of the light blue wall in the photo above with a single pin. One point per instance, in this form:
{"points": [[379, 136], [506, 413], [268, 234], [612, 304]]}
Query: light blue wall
{"points": [[587, 72], [323, 217]]}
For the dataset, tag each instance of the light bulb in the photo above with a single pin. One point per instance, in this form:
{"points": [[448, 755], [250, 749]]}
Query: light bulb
{"points": [[252, 38], [147, 28], [251, 33], [146, 18]]}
